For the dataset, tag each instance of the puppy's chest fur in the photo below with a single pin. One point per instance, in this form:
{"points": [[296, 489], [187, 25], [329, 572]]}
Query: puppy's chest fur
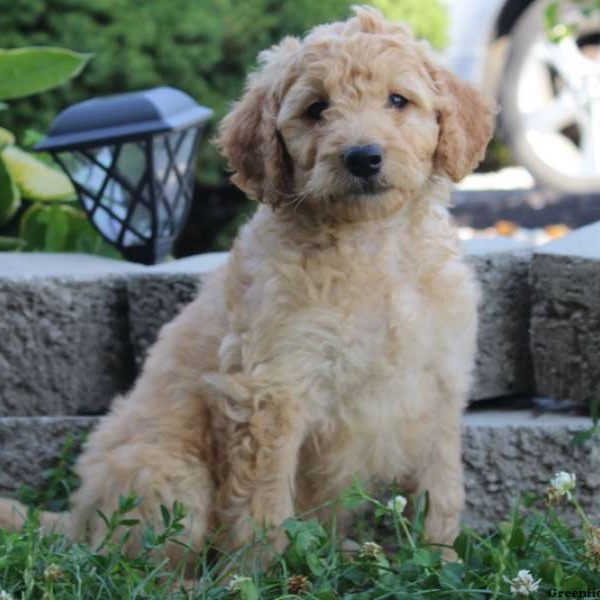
{"points": [[351, 330]]}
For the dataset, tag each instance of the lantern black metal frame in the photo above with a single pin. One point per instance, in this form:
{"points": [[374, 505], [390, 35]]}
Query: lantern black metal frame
{"points": [[162, 195], [157, 246]]}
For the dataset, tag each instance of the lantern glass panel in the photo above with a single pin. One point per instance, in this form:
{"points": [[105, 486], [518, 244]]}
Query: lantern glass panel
{"points": [[160, 155], [115, 198], [172, 155], [141, 221], [130, 159], [131, 163], [106, 223], [185, 150], [119, 194], [82, 170], [110, 180]]}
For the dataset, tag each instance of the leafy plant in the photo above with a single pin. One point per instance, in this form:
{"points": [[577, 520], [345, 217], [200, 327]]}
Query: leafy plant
{"points": [[59, 481], [532, 553], [559, 26], [27, 71], [429, 20], [587, 434], [36, 199]]}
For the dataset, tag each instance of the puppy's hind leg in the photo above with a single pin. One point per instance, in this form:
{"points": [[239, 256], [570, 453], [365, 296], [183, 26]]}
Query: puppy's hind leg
{"points": [[159, 470]]}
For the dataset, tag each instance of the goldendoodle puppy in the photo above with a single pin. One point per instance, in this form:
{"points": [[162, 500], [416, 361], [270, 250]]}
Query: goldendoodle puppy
{"points": [[338, 340]]}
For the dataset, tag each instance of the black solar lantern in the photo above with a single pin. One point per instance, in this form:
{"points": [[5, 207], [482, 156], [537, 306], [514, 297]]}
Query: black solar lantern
{"points": [[131, 159]]}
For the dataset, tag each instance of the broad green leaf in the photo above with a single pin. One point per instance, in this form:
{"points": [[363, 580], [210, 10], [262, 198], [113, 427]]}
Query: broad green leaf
{"points": [[558, 575], [32, 229], [573, 584], [451, 575], [315, 564], [547, 570], [10, 198], [26, 71], [51, 227], [461, 545], [57, 228], [6, 138], [31, 137], [247, 591], [426, 558], [9, 244], [36, 180]]}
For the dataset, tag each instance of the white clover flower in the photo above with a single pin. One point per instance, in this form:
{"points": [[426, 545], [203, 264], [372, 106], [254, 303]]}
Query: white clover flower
{"points": [[397, 504], [370, 550], [563, 483], [523, 584], [52, 572], [5, 595], [235, 583]]}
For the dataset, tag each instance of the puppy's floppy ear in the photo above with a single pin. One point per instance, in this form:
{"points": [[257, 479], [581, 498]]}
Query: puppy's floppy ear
{"points": [[466, 124], [248, 136]]}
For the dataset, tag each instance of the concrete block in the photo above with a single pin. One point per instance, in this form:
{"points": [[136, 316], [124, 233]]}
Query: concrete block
{"points": [[565, 323], [30, 445], [507, 453], [64, 345], [75, 324], [503, 363], [160, 292], [31, 265]]}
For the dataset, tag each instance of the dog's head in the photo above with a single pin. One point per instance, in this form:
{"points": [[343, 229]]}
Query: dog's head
{"points": [[353, 119]]}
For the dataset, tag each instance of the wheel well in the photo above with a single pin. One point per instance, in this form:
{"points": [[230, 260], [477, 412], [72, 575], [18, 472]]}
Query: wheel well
{"points": [[509, 15]]}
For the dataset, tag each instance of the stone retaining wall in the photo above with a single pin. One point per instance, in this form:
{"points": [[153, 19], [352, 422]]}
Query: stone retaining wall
{"points": [[75, 329], [565, 324], [505, 453]]}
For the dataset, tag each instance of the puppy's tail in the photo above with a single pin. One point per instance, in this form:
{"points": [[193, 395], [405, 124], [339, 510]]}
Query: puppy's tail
{"points": [[13, 515]]}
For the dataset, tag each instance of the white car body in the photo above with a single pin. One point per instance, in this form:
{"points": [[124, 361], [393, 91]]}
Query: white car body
{"points": [[469, 46], [547, 88]]}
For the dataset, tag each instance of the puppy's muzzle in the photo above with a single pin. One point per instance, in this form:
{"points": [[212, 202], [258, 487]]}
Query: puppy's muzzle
{"points": [[363, 161]]}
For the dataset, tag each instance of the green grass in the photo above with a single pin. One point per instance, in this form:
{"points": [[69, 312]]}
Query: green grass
{"points": [[394, 562]]}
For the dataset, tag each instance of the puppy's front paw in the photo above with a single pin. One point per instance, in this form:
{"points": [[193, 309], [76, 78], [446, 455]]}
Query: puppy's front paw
{"points": [[441, 526]]}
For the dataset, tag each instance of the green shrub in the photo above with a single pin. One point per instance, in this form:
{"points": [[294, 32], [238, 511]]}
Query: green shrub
{"points": [[36, 198], [427, 18], [204, 47]]}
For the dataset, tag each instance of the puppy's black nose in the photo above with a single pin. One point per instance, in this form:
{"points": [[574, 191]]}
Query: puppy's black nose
{"points": [[364, 161]]}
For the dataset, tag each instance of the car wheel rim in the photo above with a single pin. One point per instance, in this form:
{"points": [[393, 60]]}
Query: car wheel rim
{"points": [[558, 98]]}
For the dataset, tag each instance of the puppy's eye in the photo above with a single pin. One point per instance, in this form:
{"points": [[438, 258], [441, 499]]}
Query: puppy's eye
{"points": [[398, 101], [314, 111]]}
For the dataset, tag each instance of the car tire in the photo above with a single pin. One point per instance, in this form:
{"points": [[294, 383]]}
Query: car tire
{"points": [[526, 33]]}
